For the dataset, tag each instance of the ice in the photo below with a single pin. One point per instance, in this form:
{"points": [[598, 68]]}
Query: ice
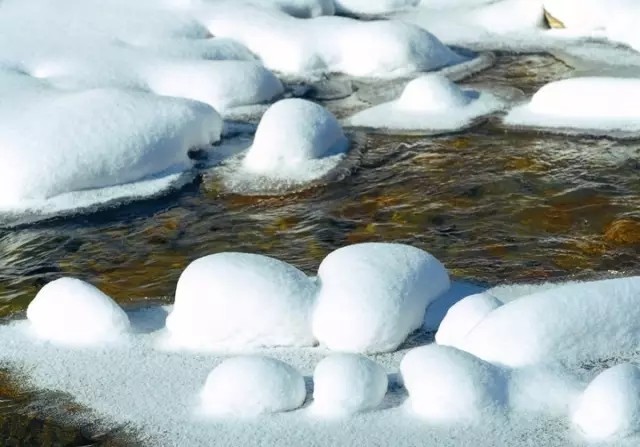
{"points": [[573, 323], [373, 295], [373, 7], [74, 313], [451, 386], [344, 384], [241, 300], [463, 316], [429, 102], [587, 104], [250, 386]]}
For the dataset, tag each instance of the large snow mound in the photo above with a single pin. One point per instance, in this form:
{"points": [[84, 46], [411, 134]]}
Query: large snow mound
{"points": [[102, 138], [572, 323], [587, 103], [238, 300], [251, 386], [373, 295], [373, 7], [610, 406], [448, 385], [463, 316], [344, 384], [429, 102], [294, 139], [71, 312]]}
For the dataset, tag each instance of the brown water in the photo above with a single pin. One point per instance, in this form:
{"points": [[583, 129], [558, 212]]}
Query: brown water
{"points": [[495, 205]]}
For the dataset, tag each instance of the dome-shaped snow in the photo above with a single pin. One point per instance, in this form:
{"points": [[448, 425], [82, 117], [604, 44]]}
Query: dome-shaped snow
{"points": [[72, 312], [373, 295], [291, 133], [240, 299], [432, 92], [464, 316], [445, 384], [250, 386], [610, 406], [347, 383]]}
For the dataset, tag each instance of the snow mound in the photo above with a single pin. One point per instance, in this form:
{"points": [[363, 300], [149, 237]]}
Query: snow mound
{"points": [[71, 312], [463, 316], [251, 386], [598, 104], [373, 7], [102, 137], [610, 406], [448, 385], [344, 384], [373, 295], [302, 9], [292, 134], [572, 323], [429, 102], [238, 300]]}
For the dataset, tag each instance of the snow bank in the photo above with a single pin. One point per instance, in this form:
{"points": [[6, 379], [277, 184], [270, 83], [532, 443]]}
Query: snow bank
{"points": [[572, 323], [293, 135], [251, 386], [448, 385], [373, 295], [610, 406], [429, 102], [599, 104], [238, 300], [71, 312], [463, 316], [344, 384], [373, 7]]}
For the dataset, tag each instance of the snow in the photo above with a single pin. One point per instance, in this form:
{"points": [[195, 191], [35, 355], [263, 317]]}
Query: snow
{"points": [[373, 7], [446, 385], [437, 310], [344, 384], [573, 323], [74, 313], [373, 295], [429, 102], [303, 9], [294, 139], [240, 300], [610, 406], [587, 104], [463, 316], [251, 386]]}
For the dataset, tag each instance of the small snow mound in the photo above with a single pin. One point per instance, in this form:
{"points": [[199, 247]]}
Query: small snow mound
{"points": [[432, 93], [72, 312], [373, 295], [237, 300], [347, 383], [250, 386], [291, 134], [448, 385], [463, 316], [610, 406]]}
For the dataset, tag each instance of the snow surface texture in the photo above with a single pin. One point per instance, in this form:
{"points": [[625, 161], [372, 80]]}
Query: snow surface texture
{"points": [[375, 7], [71, 312], [463, 316], [610, 406], [373, 295], [344, 384], [587, 104], [240, 300], [250, 386], [430, 103]]}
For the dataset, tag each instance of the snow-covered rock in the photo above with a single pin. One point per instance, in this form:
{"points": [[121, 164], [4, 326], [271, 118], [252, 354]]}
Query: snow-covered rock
{"points": [[610, 406], [448, 385], [598, 104], [429, 102], [373, 295], [238, 300], [463, 316], [373, 7], [250, 386], [294, 140], [344, 384], [71, 312], [572, 323]]}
